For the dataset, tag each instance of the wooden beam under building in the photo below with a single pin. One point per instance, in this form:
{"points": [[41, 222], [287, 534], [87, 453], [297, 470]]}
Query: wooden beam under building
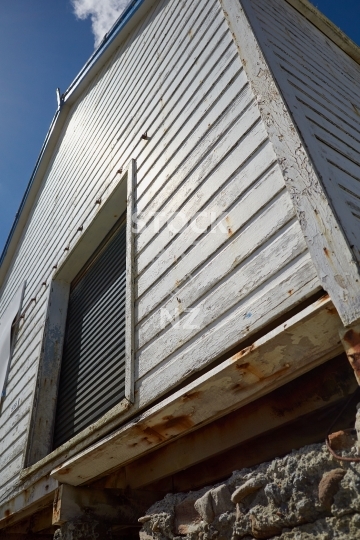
{"points": [[305, 341], [186, 460]]}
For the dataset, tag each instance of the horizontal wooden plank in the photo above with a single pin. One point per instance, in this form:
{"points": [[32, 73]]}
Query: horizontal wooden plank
{"points": [[226, 261], [223, 298], [304, 395], [321, 68], [271, 300], [326, 26], [254, 200], [243, 138], [189, 193]]}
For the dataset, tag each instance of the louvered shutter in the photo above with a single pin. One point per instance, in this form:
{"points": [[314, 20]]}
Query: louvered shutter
{"points": [[92, 377]]}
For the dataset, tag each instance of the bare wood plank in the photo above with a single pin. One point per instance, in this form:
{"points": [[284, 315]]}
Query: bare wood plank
{"points": [[72, 503], [317, 389]]}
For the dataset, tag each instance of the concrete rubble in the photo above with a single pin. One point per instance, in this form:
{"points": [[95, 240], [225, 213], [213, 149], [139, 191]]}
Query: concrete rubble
{"points": [[304, 495]]}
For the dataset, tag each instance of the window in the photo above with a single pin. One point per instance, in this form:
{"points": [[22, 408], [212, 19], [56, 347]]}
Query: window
{"points": [[86, 364]]}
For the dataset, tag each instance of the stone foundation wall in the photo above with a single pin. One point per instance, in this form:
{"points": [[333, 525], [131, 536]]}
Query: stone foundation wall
{"points": [[307, 494]]}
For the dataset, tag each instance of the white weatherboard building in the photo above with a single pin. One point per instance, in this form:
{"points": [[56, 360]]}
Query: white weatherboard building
{"points": [[187, 245]]}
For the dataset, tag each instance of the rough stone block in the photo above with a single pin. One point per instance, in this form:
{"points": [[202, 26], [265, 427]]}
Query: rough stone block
{"points": [[204, 507], [342, 440], [251, 486], [186, 516], [221, 500]]}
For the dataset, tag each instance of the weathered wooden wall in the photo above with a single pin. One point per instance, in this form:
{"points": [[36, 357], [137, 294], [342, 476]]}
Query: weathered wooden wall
{"points": [[320, 83], [178, 77]]}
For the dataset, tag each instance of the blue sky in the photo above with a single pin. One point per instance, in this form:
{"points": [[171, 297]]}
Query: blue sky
{"points": [[43, 45]]}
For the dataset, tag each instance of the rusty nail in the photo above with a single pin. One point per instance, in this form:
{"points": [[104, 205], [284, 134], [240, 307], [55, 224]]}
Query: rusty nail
{"points": [[55, 267], [44, 283], [98, 201], [66, 249], [80, 228], [145, 136], [119, 171]]}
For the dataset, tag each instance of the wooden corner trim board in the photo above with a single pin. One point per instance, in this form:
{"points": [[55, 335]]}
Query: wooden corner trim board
{"points": [[331, 254], [305, 341]]}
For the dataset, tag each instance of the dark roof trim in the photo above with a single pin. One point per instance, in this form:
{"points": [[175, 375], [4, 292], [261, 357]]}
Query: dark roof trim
{"points": [[104, 45], [28, 188]]}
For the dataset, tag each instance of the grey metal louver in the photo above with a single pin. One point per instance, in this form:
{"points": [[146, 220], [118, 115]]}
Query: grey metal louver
{"points": [[92, 378]]}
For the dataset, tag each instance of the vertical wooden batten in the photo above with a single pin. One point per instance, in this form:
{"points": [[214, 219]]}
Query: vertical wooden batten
{"points": [[130, 284]]}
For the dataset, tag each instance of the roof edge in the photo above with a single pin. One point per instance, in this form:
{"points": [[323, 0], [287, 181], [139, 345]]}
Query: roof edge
{"points": [[327, 27], [105, 49], [87, 73], [32, 190], [28, 187]]}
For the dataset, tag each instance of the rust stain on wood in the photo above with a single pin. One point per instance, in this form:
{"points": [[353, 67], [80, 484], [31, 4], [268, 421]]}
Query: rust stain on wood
{"points": [[162, 431], [66, 470], [191, 396], [251, 369]]}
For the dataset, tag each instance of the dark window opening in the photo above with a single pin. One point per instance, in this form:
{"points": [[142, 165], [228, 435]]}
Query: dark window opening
{"points": [[92, 376]]}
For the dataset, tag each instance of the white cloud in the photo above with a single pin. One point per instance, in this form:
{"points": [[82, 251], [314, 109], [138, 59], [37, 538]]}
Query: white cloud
{"points": [[103, 14]]}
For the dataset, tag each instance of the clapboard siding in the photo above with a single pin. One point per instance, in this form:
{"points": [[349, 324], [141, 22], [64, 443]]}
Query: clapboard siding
{"points": [[321, 84], [179, 79], [100, 125], [223, 166], [210, 343], [15, 417]]}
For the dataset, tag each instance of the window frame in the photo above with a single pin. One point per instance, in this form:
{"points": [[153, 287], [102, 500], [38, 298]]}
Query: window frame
{"points": [[117, 200]]}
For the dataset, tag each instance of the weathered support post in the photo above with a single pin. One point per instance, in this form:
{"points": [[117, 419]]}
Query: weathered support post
{"points": [[350, 338], [88, 513], [85, 528]]}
